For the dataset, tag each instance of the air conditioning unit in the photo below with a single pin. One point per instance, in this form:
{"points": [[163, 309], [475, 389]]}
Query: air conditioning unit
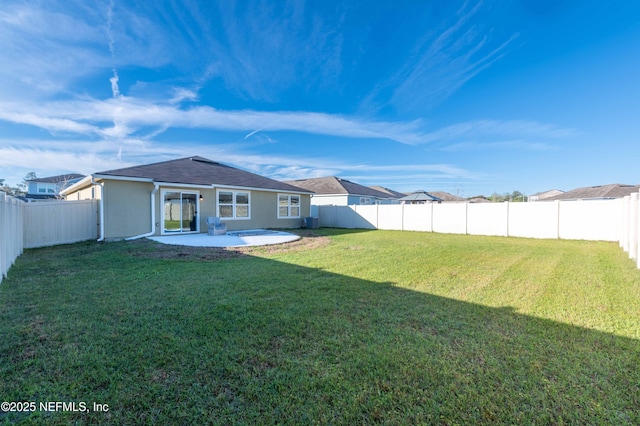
{"points": [[311, 222]]}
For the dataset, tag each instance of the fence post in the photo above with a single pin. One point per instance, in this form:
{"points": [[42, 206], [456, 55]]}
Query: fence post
{"points": [[3, 236], [633, 231], [637, 220], [466, 218], [508, 213], [625, 224], [431, 228], [11, 231], [557, 219]]}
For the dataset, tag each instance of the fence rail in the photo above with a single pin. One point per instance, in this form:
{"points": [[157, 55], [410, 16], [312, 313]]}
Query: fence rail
{"points": [[599, 220]]}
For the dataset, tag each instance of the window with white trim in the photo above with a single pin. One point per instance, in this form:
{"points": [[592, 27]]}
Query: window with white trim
{"points": [[288, 206], [234, 204], [46, 188]]}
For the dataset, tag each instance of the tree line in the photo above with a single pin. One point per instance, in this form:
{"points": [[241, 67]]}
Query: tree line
{"points": [[20, 190], [514, 197]]}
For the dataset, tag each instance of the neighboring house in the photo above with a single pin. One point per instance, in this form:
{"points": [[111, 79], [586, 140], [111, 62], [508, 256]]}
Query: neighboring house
{"points": [[476, 200], [446, 197], [600, 192], [540, 196], [420, 197], [50, 187], [391, 192], [341, 192], [176, 197]]}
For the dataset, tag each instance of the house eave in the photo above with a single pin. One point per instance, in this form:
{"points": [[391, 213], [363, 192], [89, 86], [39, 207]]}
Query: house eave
{"points": [[182, 185], [126, 178], [86, 181], [250, 188], [354, 195], [100, 177]]}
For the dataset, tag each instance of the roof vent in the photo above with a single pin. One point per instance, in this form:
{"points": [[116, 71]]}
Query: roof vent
{"points": [[202, 160]]}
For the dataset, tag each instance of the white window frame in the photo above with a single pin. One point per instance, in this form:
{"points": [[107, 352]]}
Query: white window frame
{"points": [[234, 204], [46, 188], [365, 201], [289, 206]]}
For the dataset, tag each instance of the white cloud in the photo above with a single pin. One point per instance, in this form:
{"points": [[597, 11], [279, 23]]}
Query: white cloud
{"points": [[496, 128], [443, 60], [181, 94], [443, 169], [115, 89], [53, 124], [502, 145], [121, 117], [48, 162], [265, 48], [129, 115], [43, 50]]}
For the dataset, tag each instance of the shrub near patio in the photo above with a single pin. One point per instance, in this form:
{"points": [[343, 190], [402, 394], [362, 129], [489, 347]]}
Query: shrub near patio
{"points": [[365, 327]]}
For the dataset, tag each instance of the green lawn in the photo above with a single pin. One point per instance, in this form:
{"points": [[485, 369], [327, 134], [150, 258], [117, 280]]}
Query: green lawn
{"points": [[348, 327]]}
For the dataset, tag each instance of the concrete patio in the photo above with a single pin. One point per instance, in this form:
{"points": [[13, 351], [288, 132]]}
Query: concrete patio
{"points": [[251, 237]]}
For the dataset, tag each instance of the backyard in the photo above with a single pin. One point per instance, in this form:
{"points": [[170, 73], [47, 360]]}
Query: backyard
{"points": [[340, 327]]}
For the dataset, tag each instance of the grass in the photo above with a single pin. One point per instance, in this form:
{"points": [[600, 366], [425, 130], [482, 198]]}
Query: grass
{"points": [[366, 327]]}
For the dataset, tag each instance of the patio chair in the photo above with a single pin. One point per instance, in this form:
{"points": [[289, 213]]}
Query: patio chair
{"points": [[215, 227]]}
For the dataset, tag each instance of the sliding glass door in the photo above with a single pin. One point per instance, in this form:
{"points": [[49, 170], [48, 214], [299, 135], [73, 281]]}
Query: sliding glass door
{"points": [[180, 212]]}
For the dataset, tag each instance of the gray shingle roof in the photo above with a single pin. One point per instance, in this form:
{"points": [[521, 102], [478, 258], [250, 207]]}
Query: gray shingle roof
{"points": [[58, 179], [336, 185], [199, 171], [614, 190], [420, 196], [445, 196], [391, 192]]}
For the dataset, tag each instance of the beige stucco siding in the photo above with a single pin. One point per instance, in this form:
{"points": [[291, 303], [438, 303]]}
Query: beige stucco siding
{"points": [[264, 213], [127, 208], [91, 192], [264, 209]]}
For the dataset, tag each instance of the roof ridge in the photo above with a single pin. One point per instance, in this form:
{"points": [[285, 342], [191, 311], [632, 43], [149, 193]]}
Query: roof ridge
{"points": [[340, 180], [203, 160]]}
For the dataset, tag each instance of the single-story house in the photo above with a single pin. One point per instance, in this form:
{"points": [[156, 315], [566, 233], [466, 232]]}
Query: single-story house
{"points": [[420, 197], [540, 196], [599, 192], [336, 191], [48, 188], [176, 197], [447, 197], [393, 193], [479, 199]]}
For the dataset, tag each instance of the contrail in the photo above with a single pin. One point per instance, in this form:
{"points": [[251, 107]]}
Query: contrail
{"points": [[253, 133], [115, 89]]}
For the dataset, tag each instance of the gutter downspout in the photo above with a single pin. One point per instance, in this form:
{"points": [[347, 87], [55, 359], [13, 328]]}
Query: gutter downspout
{"points": [[101, 185], [153, 215]]}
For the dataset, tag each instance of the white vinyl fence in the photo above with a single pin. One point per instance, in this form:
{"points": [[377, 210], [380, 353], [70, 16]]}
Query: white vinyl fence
{"points": [[11, 232], [30, 225], [601, 220], [60, 222], [630, 233]]}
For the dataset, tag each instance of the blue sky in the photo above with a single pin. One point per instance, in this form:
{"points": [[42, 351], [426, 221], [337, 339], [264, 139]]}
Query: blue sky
{"points": [[469, 97]]}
